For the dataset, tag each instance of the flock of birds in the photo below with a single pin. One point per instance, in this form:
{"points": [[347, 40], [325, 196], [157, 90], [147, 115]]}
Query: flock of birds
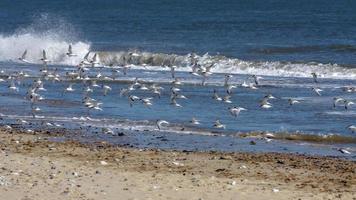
{"points": [[199, 69]]}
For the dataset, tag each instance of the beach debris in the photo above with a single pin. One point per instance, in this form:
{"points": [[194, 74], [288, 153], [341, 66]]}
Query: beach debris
{"points": [[233, 183], [243, 167], [102, 162], [178, 164], [275, 190], [4, 182]]}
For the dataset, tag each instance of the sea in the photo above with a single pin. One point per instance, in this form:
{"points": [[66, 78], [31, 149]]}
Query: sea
{"points": [[283, 42]]}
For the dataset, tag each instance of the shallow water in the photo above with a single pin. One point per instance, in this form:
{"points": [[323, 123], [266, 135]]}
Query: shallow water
{"points": [[315, 115]]}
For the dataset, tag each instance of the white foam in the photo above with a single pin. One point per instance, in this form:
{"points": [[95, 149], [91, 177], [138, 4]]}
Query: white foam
{"points": [[12, 47]]}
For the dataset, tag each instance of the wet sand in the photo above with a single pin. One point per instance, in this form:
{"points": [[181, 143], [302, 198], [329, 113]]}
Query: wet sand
{"points": [[34, 167]]}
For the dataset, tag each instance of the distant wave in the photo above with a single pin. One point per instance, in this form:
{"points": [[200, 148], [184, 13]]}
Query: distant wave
{"points": [[307, 49]]}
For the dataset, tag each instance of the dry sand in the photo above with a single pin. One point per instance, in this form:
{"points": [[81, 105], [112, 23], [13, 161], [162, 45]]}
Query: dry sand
{"points": [[34, 168]]}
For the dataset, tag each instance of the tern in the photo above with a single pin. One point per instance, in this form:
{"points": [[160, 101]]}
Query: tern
{"points": [[13, 87], [229, 88], [227, 78], [70, 88], [317, 91], [348, 104], [218, 124], [227, 99], [344, 151], [86, 59], [176, 82], [315, 77], [174, 102], [216, 96], [95, 60], [257, 79], [265, 104], [235, 111], [44, 57], [132, 99], [194, 121], [337, 100], [159, 123], [352, 128], [293, 101], [23, 57], [70, 51], [147, 101], [106, 89]]}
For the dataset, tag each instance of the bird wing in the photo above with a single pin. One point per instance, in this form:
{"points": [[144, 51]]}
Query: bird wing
{"points": [[24, 54]]}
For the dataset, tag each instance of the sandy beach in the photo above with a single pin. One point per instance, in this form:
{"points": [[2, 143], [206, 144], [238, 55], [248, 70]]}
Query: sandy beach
{"points": [[33, 167]]}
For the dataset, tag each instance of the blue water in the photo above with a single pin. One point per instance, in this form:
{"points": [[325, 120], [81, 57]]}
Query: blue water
{"points": [[319, 30], [284, 41]]}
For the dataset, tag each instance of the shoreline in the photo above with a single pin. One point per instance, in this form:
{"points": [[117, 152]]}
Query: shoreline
{"points": [[34, 167]]}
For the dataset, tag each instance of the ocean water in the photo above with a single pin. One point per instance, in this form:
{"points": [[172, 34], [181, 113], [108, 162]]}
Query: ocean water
{"points": [[282, 41]]}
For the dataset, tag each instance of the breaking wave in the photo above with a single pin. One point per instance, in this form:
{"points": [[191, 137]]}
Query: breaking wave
{"points": [[222, 64], [48, 33]]}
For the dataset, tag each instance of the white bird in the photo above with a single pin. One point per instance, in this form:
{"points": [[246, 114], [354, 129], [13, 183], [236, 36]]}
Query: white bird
{"points": [[174, 103], [344, 151], [176, 82], [315, 77], [147, 101], [293, 101], [218, 124], [227, 99], [348, 104], [257, 79], [159, 123], [337, 100], [107, 130], [194, 121], [244, 84], [44, 57], [86, 59], [227, 78], [23, 57], [94, 84], [229, 88], [13, 87], [317, 91], [70, 51], [70, 88], [106, 89], [265, 104], [95, 60], [132, 99], [235, 111], [352, 128], [216, 96]]}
